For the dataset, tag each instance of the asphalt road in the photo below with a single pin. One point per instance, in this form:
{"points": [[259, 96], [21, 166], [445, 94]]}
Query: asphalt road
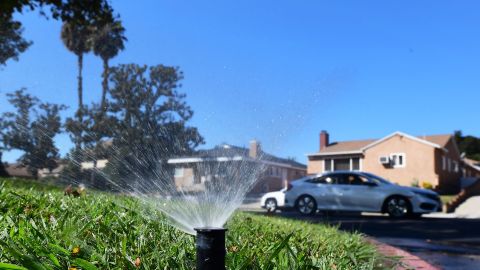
{"points": [[450, 243]]}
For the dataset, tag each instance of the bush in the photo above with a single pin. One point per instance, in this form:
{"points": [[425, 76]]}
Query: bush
{"points": [[415, 183], [427, 185]]}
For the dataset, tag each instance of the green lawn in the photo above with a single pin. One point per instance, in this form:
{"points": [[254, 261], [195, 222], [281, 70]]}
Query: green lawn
{"points": [[40, 228], [447, 198]]}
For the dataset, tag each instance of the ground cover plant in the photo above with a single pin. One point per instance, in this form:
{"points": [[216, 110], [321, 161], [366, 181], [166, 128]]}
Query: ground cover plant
{"points": [[41, 228]]}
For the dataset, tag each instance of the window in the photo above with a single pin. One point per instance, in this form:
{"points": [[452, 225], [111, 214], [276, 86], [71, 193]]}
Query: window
{"points": [[455, 166], [178, 172], [353, 179], [344, 164], [398, 160], [444, 163], [328, 165], [355, 164], [319, 180], [341, 164], [449, 164]]}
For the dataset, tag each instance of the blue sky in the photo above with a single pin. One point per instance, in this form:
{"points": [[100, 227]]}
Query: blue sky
{"points": [[280, 71]]}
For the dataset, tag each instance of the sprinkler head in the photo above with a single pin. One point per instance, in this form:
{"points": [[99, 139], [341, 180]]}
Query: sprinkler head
{"points": [[210, 248]]}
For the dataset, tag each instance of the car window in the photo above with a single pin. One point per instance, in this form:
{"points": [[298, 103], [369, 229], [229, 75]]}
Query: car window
{"points": [[355, 179], [320, 180]]}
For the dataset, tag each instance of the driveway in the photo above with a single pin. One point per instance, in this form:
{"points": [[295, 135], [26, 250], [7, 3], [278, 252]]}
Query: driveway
{"points": [[451, 243]]}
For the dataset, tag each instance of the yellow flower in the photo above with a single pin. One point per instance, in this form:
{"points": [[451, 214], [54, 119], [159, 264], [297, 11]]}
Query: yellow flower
{"points": [[75, 251], [72, 268]]}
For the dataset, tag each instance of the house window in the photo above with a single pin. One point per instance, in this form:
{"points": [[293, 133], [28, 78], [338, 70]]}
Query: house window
{"points": [[343, 164], [178, 172], [328, 165], [444, 163], [455, 166], [355, 164], [449, 164], [398, 160]]}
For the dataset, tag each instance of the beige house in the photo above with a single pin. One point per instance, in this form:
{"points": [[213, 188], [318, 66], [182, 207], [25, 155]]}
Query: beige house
{"points": [[402, 158], [193, 173]]}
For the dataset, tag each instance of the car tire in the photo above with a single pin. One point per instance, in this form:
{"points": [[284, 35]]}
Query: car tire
{"points": [[271, 205], [306, 205], [398, 207]]}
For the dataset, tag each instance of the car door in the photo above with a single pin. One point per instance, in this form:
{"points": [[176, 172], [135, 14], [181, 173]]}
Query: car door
{"points": [[338, 191], [321, 189], [361, 194]]}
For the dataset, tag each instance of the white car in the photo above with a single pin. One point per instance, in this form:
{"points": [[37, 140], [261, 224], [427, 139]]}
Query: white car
{"points": [[272, 201], [360, 192]]}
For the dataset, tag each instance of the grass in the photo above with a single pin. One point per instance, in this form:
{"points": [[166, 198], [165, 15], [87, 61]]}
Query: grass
{"points": [[447, 198], [40, 228]]}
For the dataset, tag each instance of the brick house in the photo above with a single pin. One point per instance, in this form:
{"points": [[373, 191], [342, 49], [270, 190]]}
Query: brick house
{"points": [[399, 157], [190, 173]]}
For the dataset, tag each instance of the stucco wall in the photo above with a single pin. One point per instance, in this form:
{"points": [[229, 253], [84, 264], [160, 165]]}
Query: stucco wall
{"points": [[314, 166], [419, 161], [449, 179]]}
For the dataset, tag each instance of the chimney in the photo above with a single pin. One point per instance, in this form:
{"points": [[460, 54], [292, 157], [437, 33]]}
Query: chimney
{"points": [[255, 149], [324, 139]]}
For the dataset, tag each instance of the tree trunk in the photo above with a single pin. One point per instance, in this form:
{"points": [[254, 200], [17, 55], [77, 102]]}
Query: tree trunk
{"points": [[104, 86], [80, 102], [3, 171]]}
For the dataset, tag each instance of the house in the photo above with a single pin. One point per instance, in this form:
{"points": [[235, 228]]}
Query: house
{"points": [[402, 158], [21, 171], [191, 173]]}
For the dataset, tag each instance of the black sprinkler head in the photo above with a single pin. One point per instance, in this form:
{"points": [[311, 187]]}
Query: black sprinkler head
{"points": [[210, 248]]}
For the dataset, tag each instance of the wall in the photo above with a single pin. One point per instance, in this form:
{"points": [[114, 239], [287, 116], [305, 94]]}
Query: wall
{"points": [[315, 165], [449, 179], [419, 161]]}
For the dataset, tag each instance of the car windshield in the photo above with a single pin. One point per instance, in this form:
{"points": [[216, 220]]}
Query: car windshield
{"points": [[377, 179]]}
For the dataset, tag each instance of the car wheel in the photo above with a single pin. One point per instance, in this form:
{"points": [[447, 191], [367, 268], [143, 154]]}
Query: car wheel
{"points": [[306, 205], [397, 207], [271, 205]]}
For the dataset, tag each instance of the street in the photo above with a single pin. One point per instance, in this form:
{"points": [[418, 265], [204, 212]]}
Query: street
{"points": [[449, 243]]}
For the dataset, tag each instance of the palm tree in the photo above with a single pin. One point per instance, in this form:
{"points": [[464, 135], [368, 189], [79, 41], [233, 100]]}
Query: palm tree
{"points": [[75, 37], [107, 41]]}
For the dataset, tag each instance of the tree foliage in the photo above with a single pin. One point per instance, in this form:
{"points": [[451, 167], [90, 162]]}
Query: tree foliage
{"points": [[76, 12], [31, 129], [470, 145], [107, 40], [12, 44], [150, 118]]}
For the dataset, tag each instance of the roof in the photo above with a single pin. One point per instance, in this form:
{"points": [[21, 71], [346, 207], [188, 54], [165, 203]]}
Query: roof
{"points": [[358, 146], [472, 163], [17, 170], [234, 152]]}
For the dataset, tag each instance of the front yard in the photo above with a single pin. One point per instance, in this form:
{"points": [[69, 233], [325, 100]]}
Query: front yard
{"points": [[40, 228]]}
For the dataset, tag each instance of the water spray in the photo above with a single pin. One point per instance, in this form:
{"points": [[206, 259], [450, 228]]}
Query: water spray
{"points": [[210, 248]]}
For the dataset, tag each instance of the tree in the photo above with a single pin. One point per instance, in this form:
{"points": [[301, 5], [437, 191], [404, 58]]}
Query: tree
{"points": [[150, 119], [3, 146], [31, 129], [72, 11], [12, 43], [107, 41], [469, 145], [75, 37]]}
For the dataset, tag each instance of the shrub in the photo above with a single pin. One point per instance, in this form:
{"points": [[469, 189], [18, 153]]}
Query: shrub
{"points": [[427, 185]]}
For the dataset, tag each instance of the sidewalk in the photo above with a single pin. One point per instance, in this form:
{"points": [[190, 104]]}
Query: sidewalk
{"points": [[407, 260]]}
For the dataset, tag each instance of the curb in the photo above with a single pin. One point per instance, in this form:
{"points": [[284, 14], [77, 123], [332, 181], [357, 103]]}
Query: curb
{"points": [[407, 260]]}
